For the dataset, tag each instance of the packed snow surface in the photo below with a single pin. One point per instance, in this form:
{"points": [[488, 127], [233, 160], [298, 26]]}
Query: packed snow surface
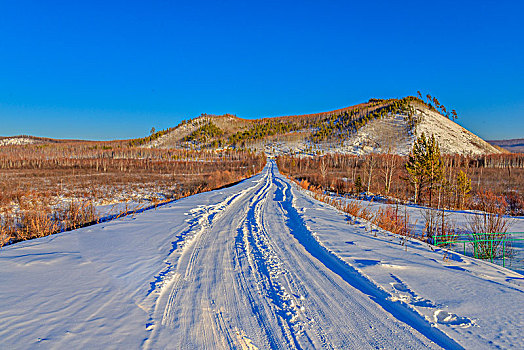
{"points": [[257, 265]]}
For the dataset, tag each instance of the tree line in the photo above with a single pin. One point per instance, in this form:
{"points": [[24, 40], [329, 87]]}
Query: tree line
{"points": [[424, 177]]}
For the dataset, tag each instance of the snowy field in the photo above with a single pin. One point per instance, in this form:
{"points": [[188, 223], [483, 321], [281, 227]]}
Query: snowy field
{"points": [[257, 265]]}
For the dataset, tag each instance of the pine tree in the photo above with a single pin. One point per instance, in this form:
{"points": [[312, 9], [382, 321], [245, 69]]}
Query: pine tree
{"points": [[424, 166], [433, 165], [415, 165], [428, 96], [358, 184], [463, 188]]}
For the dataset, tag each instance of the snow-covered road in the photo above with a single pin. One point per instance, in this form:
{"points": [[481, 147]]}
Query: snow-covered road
{"points": [[257, 265]]}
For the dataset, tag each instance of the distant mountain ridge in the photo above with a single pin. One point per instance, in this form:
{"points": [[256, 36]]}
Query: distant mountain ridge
{"points": [[37, 140], [25, 140], [512, 145]]}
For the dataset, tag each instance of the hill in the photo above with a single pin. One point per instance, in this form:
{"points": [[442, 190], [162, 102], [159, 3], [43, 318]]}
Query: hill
{"points": [[25, 140], [35, 140], [375, 126]]}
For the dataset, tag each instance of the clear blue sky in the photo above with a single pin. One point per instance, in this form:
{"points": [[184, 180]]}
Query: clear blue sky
{"points": [[108, 69]]}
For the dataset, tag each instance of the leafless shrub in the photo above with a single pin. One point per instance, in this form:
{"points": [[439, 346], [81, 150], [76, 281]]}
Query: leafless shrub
{"points": [[388, 219], [7, 227], [353, 208], [488, 228], [438, 229]]}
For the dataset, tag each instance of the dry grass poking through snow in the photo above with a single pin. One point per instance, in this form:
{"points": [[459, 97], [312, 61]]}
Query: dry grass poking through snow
{"points": [[388, 219]]}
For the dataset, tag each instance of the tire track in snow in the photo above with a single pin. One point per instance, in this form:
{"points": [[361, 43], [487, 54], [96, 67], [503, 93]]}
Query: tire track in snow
{"points": [[247, 273], [265, 264], [323, 315], [212, 299], [167, 282], [401, 312]]}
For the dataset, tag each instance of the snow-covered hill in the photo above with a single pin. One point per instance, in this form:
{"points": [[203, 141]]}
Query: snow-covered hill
{"points": [[17, 140], [30, 140], [392, 132], [257, 265]]}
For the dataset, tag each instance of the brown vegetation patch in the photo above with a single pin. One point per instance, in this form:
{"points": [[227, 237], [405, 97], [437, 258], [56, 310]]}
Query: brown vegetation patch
{"points": [[46, 189]]}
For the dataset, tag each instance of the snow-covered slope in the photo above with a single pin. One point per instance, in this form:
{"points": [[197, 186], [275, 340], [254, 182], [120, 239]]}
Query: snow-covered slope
{"points": [[17, 140], [452, 138], [258, 265], [174, 138], [393, 134], [390, 134], [29, 140]]}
